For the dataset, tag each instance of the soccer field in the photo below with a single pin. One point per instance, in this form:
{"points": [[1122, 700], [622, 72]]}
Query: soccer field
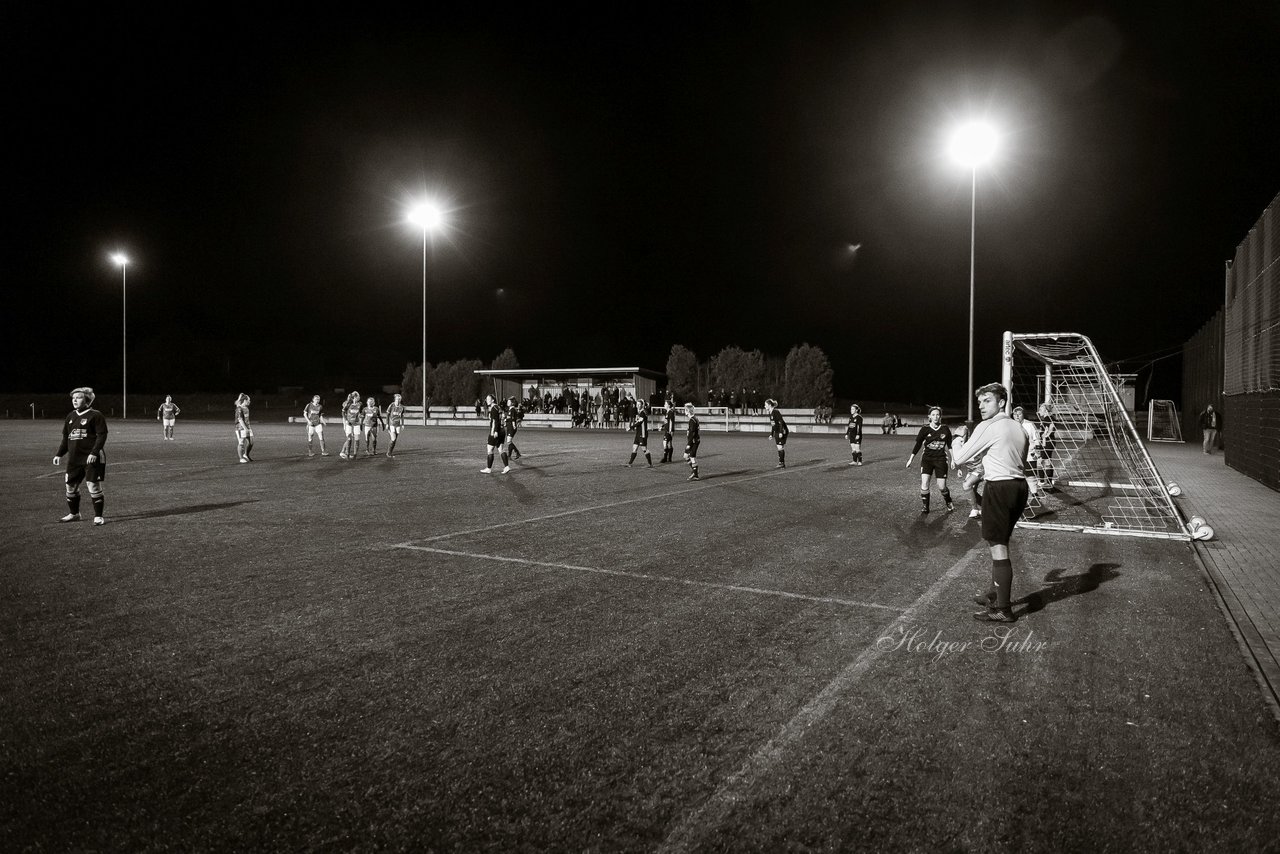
{"points": [[407, 654]]}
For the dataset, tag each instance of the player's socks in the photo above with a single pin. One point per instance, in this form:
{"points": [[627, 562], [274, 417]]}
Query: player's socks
{"points": [[924, 502], [633, 458], [489, 462], [946, 496], [248, 446], [73, 503], [99, 501], [1002, 579], [648, 459], [392, 449], [506, 460], [782, 457]]}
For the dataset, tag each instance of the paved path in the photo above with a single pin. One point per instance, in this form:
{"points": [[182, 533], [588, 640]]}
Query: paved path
{"points": [[1243, 558]]}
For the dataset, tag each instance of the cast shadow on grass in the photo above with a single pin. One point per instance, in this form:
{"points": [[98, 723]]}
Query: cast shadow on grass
{"points": [[1058, 587], [182, 511]]}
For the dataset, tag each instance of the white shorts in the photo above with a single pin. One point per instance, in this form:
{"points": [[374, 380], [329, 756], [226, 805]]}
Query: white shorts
{"points": [[315, 430], [168, 422], [394, 429], [244, 433], [350, 429]]}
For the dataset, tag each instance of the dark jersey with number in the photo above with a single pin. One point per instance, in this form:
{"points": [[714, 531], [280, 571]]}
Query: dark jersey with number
{"points": [[779, 429], [693, 434], [934, 440], [669, 423], [641, 426], [83, 433], [854, 431]]}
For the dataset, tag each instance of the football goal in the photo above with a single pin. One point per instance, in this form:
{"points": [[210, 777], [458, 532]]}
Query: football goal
{"points": [[1091, 471], [1162, 422]]}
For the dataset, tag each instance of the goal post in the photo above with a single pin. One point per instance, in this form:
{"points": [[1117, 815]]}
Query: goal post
{"points": [[1162, 422], [1090, 470]]}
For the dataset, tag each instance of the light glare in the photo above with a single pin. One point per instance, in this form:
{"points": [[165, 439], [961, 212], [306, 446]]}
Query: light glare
{"points": [[120, 258], [426, 216], [974, 144]]}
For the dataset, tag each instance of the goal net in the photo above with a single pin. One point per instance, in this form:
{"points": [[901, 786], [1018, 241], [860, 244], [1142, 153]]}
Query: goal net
{"points": [[1091, 471], [1162, 422]]}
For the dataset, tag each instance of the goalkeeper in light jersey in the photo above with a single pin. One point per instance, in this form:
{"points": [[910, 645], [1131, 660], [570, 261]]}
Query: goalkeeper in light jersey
{"points": [[395, 423], [370, 422], [313, 414], [167, 414], [778, 430], [350, 426], [853, 433]]}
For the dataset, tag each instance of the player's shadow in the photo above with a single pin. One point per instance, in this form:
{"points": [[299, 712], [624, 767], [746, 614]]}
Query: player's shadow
{"points": [[1058, 586], [182, 511]]}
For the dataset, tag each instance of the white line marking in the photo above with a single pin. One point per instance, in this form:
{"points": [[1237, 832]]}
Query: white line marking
{"points": [[737, 588], [687, 833], [686, 491]]}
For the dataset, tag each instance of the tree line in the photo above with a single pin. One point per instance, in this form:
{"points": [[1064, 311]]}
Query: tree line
{"points": [[802, 379]]}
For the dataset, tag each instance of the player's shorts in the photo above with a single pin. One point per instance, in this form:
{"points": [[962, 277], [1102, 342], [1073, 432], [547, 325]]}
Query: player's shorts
{"points": [[498, 440], [350, 429], [244, 433], [315, 430], [780, 440], [91, 472], [641, 441], [934, 467], [1002, 504], [168, 422], [394, 429], [692, 450]]}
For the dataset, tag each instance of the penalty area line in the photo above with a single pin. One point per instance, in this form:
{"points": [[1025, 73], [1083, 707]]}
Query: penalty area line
{"points": [[644, 576], [686, 834]]}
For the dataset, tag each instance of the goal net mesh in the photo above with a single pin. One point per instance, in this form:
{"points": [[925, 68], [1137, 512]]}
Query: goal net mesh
{"points": [[1091, 471], [1162, 422]]}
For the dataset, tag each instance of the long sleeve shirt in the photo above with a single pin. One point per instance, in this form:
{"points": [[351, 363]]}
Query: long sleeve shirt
{"points": [[1001, 444]]}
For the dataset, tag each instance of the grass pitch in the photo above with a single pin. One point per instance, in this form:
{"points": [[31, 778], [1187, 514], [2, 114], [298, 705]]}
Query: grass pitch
{"points": [[407, 654]]}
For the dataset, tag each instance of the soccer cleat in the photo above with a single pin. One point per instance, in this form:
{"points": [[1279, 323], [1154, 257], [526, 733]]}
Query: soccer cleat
{"points": [[694, 476], [310, 454], [986, 600], [995, 615], [485, 471], [626, 465], [975, 513], [98, 520], [342, 455], [951, 508], [506, 469], [780, 466], [244, 459], [70, 517], [324, 453]]}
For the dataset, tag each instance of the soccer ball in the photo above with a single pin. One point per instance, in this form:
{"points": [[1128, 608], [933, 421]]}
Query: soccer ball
{"points": [[1174, 489]]}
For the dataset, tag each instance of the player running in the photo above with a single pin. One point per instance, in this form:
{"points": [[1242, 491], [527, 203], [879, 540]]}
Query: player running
{"points": [[497, 441], [853, 433], [935, 437], [244, 429], [693, 437], [313, 414], [395, 423], [640, 424], [778, 430], [668, 432], [166, 415], [350, 426], [84, 434], [370, 421]]}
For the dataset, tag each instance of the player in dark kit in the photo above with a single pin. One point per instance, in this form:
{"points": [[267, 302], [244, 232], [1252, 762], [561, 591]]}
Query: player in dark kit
{"points": [[668, 432], [83, 435], [511, 419], [693, 437], [497, 440], [778, 430], [640, 424], [935, 437], [854, 434]]}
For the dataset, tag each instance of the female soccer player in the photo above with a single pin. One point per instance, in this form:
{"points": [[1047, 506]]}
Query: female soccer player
{"points": [[395, 423], [350, 426], [497, 441], [935, 438], [854, 434], [778, 430], [370, 421], [84, 433], [693, 438], [244, 429], [313, 414], [166, 415]]}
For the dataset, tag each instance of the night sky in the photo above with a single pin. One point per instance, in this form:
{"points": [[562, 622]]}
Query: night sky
{"points": [[618, 181]]}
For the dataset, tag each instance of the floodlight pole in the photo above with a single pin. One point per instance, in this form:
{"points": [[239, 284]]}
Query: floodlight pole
{"points": [[973, 230], [424, 326], [124, 329]]}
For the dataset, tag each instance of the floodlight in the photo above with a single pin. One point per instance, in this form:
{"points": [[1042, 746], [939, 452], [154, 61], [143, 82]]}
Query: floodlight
{"points": [[974, 144], [426, 216]]}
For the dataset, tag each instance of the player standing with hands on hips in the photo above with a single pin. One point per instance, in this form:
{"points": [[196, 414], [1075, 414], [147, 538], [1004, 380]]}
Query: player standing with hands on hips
{"points": [[1001, 445], [84, 434], [778, 430], [166, 415]]}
